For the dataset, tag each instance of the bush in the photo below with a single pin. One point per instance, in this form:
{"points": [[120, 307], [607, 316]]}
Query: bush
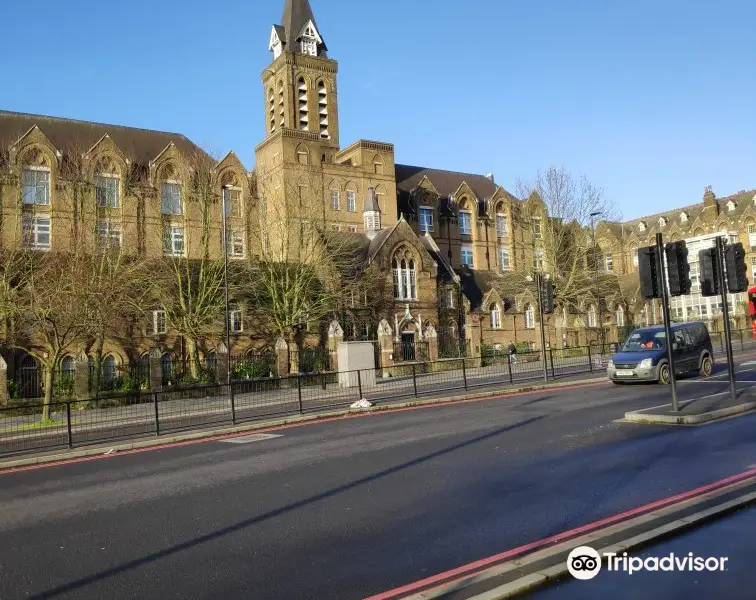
{"points": [[14, 390], [253, 368], [63, 387]]}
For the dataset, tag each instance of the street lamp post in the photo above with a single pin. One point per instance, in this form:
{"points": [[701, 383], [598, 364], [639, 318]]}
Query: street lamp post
{"points": [[539, 278], [224, 201], [594, 215]]}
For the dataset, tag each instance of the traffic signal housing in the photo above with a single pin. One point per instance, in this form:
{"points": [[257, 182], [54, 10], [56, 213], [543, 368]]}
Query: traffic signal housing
{"points": [[548, 297], [678, 269], [648, 272], [737, 278], [709, 272]]}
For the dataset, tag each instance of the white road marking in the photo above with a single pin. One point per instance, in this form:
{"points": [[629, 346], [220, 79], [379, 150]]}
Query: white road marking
{"points": [[248, 439]]}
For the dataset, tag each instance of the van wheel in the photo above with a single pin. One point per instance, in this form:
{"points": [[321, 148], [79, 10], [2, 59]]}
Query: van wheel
{"points": [[664, 374], [706, 367]]}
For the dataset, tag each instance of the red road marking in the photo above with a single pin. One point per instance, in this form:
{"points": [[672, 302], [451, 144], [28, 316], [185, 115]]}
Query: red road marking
{"points": [[215, 438], [466, 570]]}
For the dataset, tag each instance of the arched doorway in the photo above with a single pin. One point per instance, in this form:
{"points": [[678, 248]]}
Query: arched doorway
{"points": [[29, 384]]}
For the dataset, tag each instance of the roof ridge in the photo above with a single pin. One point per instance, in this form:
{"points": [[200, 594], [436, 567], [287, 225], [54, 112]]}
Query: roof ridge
{"points": [[83, 122], [445, 171]]}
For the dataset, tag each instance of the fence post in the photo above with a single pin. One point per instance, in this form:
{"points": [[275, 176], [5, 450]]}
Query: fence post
{"points": [[590, 358], [414, 379], [742, 344], [509, 367], [157, 413], [233, 402], [323, 382], [68, 424], [464, 372], [299, 393], [721, 341], [359, 383], [551, 360]]}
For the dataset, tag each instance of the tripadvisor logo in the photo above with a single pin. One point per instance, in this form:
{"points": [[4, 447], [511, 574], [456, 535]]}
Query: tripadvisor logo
{"points": [[585, 563]]}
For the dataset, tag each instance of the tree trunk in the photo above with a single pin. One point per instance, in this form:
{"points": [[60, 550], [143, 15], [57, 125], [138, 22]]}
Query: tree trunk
{"points": [[294, 351], [97, 379], [195, 365], [48, 393]]}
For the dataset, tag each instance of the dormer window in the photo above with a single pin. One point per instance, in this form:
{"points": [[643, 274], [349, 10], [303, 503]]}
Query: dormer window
{"points": [[309, 47], [275, 45], [662, 222], [310, 39], [683, 217], [642, 226], [731, 206]]}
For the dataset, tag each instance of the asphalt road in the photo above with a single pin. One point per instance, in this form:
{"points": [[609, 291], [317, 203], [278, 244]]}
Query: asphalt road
{"points": [[349, 508], [731, 537]]}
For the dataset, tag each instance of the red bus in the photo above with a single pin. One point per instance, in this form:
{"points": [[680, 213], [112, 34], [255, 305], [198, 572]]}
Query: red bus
{"points": [[752, 308]]}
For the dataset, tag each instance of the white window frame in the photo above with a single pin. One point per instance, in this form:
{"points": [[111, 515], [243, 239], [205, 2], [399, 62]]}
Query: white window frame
{"points": [[495, 317], [108, 232], [154, 320], [752, 235], [465, 222], [237, 244], [505, 259], [171, 211], [537, 228], [101, 192], [470, 252], [236, 320], [233, 209], [609, 262], [405, 279], [351, 201], [539, 261], [335, 200], [309, 46], [26, 188], [33, 228], [591, 317], [451, 298], [352, 229], [171, 239], [620, 316], [425, 218], [502, 225], [529, 316]]}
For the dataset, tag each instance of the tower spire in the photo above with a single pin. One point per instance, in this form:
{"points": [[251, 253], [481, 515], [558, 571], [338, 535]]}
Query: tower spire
{"points": [[299, 32]]}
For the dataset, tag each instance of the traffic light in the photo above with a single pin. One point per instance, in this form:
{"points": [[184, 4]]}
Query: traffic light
{"points": [[649, 279], [548, 298], [737, 279], [709, 272], [678, 269]]}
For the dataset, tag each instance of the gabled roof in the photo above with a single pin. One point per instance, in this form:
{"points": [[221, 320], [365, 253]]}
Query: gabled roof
{"points": [[68, 135], [446, 182], [296, 15], [380, 239], [446, 268], [475, 285]]}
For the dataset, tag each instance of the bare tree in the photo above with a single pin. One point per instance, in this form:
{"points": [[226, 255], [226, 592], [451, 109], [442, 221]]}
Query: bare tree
{"points": [[307, 271], [568, 203]]}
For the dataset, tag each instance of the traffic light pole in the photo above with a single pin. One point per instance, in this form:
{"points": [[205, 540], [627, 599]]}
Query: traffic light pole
{"points": [[541, 318], [726, 315], [667, 324]]}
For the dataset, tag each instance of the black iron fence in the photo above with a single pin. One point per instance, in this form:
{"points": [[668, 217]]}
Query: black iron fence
{"points": [[138, 413], [410, 351]]}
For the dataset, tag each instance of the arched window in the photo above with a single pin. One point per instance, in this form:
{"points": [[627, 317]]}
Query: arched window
{"points": [[378, 164], [591, 316], [529, 316], [109, 369], [323, 110], [405, 278], [272, 110], [495, 316], [502, 222], [67, 366], [504, 263], [465, 218], [620, 314], [303, 155], [167, 362], [304, 118], [212, 363], [351, 198], [281, 107], [335, 194]]}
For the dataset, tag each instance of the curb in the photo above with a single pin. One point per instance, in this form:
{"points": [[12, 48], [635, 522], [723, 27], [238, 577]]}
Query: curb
{"points": [[230, 431], [549, 574], [714, 415]]}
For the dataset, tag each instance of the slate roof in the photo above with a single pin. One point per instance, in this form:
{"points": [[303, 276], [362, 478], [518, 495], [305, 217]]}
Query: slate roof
{"points": [[445, 182], [295, 16], [475, 285], [68, 135], [446, 270]]}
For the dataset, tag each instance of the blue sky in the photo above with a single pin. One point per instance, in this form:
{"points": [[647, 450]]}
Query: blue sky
{"points": [[651, 99]]}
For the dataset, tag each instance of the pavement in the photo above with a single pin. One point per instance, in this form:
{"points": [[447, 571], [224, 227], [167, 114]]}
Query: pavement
{"points": [[350, 508], [731, 537]]}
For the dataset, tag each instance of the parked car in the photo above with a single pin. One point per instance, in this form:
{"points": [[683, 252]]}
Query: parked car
{"points": [[643, 357]]}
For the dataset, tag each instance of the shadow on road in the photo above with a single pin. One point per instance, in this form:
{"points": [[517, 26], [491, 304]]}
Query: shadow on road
{"points": [[80, 583]]}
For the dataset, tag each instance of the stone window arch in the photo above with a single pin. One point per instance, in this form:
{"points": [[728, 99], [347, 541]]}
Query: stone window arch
{"points": [[167, 362], [334, 192], [303, 104], [231, 186], [36, 176], [272, 110], [68, 366], [502, 221], [281, 104], [303, 155], [109, 369], [323, 109], [465, 216], [404, 267], [529, 311], [378, 164], [351, 197], [591, 316]]}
